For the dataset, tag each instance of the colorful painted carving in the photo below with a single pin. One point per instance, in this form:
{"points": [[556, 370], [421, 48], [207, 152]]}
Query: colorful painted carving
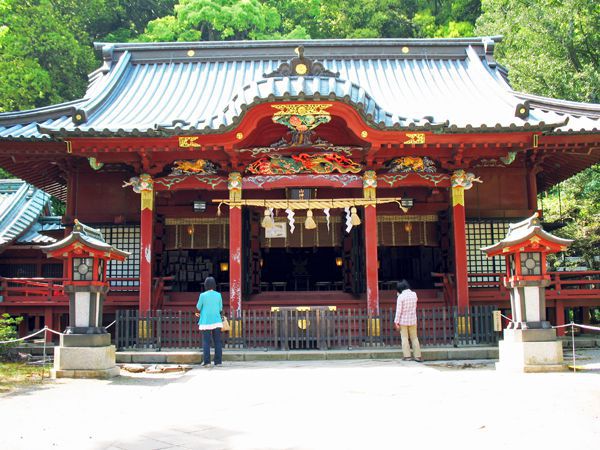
{"points": [[503, 161], [95, 164], [171, 181], [463, 179], [509, 158], [234, 184], [369, 184], [318, 144], [195, 166], [301, 119], [412, 164], [140, 184], [303, 163]]}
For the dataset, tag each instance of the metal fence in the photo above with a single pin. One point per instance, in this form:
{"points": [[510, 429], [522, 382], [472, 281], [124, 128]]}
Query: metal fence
{"points": [[306, 329]]}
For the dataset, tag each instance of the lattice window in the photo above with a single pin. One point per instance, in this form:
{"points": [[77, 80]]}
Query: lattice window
{"points": [[125, 238], [483, 233]]}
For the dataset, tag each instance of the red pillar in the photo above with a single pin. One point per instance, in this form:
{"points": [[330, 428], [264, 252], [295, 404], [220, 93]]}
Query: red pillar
{"points": [[235, 260], [460, 246], [146, 240], [235, 245], [371, 259]]}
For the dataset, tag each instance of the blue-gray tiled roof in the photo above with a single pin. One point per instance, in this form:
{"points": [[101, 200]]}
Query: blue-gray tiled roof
{"points": [[164, 88], [21, 206]]}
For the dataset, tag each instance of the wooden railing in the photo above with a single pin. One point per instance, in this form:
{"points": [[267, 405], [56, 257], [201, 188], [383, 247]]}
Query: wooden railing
{"points": [[27, 290], [160, 286], [564, 284], [51, 290], [317, 328], [446, 282]]}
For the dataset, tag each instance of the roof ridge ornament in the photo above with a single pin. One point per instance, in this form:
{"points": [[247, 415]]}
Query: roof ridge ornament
{"points": [[301, 66]]}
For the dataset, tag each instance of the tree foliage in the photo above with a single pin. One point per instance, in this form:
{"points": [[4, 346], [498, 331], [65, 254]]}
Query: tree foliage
{"points": [[8, 332], [46, 45], [576, 202], [551, 47], [215, 20], [317, 19]]}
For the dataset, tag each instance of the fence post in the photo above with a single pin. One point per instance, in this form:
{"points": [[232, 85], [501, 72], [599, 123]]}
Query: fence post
{"points": [[158, 330]]}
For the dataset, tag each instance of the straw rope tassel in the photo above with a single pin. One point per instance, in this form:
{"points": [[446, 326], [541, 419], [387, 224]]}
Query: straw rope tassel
{"points": [[310, 224], [354, 216]]}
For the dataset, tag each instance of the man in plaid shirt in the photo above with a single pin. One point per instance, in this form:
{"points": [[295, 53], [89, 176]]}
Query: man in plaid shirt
{"points": [[406, 320]]}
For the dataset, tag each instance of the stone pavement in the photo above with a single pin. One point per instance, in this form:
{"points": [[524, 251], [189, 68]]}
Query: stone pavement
{"points": [[348, 404]]}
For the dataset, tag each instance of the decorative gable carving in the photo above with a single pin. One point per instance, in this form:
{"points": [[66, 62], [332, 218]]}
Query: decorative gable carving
{"points": [[301, 66]]}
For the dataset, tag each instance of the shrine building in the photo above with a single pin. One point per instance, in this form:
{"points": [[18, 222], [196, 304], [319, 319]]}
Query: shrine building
{"points": [[297, 173]]}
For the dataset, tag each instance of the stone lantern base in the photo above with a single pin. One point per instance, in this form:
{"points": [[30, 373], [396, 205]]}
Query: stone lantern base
{"points": [[530, 350], [85, 356]]}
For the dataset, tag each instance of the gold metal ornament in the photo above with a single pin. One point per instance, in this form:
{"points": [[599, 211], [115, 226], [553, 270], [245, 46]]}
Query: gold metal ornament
{"points": [[415, 138], [188, 141]]}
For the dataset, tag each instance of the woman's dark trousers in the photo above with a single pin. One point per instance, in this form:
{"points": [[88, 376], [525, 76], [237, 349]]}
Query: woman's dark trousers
{"points": [[216, 336]]}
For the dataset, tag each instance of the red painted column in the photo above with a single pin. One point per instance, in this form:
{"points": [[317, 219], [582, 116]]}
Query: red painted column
{"points": [[146, 189], [460, 246], [371, 259], [370, 193], [235, 245]]}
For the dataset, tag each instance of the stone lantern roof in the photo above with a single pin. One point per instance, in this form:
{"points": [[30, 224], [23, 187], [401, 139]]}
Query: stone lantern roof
{"points": [[528, 235], [84, 236]]}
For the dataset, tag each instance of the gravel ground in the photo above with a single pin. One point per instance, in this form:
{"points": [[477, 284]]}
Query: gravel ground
{"points": [[360, 404]]}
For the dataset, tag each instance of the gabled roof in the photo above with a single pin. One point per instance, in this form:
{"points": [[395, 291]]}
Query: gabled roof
{"points": [[524, 231], [21, 206], [90, 237], [453, 85]]}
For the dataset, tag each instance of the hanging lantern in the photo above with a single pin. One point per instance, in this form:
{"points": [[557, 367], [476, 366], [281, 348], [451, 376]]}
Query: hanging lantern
{"points": [[408, 227], [310, 222], [190, 230], [339, 261], [268, 221], [354, 217]]}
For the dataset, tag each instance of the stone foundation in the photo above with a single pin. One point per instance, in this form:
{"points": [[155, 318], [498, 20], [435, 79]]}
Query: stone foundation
{"points": [[533, 350], [84, 362]]}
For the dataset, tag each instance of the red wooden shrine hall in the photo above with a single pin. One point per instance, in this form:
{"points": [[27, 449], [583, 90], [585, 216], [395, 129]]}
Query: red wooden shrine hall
{"points": [[320, 179]]}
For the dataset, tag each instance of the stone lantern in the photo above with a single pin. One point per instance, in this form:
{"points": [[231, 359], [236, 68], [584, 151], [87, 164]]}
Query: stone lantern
{"points": [[530, 342], [85, 349]]}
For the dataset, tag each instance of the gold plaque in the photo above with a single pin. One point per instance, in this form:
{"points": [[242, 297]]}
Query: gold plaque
{"points": [[405, 50], [364, 134], [239, 136], [191, 53]]}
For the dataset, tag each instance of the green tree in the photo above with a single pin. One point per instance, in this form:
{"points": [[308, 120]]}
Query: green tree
{"points": [[46, 45], [551, 47], [8, 332], [215, 20], [41, 60], [576, 202]]}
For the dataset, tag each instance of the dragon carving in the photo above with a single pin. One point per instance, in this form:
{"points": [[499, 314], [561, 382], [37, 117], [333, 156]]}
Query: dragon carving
{"points": [[320, 163]]}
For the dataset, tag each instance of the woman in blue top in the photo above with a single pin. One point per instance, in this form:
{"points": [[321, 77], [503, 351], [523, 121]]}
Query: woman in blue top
{"points": [[210, 306]]}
